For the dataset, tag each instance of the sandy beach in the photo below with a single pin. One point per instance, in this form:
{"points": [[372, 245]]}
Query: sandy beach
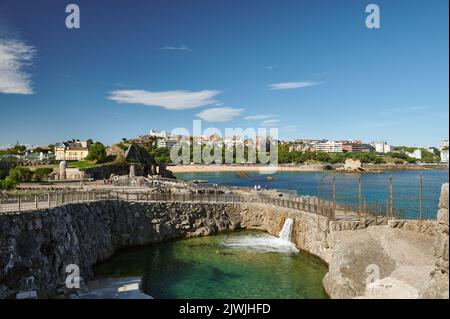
{"points": [[293, 168], [241, 168]]}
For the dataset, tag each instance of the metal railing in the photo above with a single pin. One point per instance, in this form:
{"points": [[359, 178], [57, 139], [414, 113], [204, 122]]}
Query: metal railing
{"points": [[50, 200], [393, 195]]}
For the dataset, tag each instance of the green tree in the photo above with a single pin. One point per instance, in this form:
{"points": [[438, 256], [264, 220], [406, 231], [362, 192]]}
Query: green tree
{"points": [[97, 152], [42, 173], [8, 183], [20, 174], [162, 155], [17, 150]]}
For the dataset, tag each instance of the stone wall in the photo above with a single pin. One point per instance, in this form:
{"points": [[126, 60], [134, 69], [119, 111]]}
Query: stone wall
{"points": [[106, 170], [441, 239], [36, 247], [310, 232]]}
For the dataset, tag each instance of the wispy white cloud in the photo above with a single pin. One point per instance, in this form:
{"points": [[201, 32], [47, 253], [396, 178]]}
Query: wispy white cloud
{"points": [[179, 48], [405, 109], [258, 117], [271, 67], [376, 124], [15, 56], [290, 127], [171, 100], [220, 114], [292, 85], [271, 122]]}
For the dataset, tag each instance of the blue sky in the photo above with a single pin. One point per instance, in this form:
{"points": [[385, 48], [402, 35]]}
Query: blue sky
{"points": [[310, 68]]}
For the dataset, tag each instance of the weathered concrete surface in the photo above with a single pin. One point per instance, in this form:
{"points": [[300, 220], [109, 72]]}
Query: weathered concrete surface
{"points": [[402, 258], [440, 274], [36, 247], [441, 242]]}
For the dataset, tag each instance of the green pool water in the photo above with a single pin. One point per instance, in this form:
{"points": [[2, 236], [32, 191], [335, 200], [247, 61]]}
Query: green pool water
{"points": [[244, 264]]}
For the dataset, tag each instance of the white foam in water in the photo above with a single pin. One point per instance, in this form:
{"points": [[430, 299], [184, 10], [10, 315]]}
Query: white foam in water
{"points": [[265, 242], [286, 231]]}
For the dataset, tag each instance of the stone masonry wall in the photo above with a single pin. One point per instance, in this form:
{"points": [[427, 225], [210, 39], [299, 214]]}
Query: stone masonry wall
{"points": [[35, 247], [441, 239]]}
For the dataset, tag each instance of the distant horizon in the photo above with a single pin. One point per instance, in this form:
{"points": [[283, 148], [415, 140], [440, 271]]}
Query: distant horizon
{"points": [[308, 68]]}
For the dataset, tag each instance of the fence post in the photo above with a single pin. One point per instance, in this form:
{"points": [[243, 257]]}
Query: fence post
{"points": [[359, 194], [420, 197], [36, 201], [19, 202], [365, 206], [387, 209], [391, 208], [334, 192], [48, 200]]}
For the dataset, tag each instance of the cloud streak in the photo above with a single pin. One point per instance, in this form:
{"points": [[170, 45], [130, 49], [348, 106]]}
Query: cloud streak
{"points": [[220, 114], [15, 56], [292, 85], [405, 109], [179, 48], [258, 117], [271, 122], [171, 100]]}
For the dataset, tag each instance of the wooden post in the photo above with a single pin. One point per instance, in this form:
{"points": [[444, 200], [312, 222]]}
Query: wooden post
{"points": [[391, 199], [36, 201], [359, 194], [19, 203], [365, 205], [334, 192], [48, 200], [420, 197], [387, 209]]}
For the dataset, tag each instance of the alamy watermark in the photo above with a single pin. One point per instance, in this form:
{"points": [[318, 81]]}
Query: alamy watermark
{"points": [[236, 145], [373, 20], [73, 19], [73, 277]]}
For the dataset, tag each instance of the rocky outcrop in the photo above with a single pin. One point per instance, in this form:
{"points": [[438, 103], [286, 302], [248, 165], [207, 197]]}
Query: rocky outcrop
{"points": [[440, 274], [403, 259], [36, 247], [441, 241], [106, 170]]}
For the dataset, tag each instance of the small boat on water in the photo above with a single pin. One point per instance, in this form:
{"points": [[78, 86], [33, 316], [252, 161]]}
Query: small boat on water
{"points": [[269, 178], [200, 181], [242, 174]]}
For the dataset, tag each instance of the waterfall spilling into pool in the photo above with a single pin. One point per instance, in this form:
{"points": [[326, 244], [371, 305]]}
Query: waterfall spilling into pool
{"points": [[264, 242], [286, 231]]}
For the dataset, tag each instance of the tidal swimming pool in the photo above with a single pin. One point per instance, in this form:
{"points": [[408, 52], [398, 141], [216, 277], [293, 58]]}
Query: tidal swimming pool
{"points": [[244, 264]]}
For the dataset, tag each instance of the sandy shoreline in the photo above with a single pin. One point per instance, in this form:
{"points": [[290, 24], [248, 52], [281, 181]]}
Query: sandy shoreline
{"points": [[240, 168], [298, 168]]}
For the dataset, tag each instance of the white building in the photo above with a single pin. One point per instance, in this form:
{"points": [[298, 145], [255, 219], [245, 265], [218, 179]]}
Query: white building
{"points": [[444, 156], [167, 143], [328, 147], [158, 134], [444, 144], [417, 154], [382, 147], [233, 140]]}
